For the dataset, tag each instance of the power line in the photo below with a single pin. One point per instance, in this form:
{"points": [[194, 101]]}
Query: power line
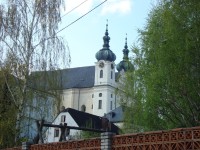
{"points": [[74, 8], [71, 23], [81, 17]]}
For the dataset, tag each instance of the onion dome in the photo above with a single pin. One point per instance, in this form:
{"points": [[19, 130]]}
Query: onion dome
{"points": [[105, 53], [125, 64]]}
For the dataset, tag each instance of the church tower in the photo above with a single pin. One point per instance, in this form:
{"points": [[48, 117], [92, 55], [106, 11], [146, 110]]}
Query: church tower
{"points": [[125, 64], [104, 85]]}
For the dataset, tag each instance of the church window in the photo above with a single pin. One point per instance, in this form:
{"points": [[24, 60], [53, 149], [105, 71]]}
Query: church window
{"points": [[110, 105], [92, 95], [112, 66], [111, 75], [92, 106], [111, 95], [83, 108], [101, 73], [100, 94], [100, 104], [56, 132], [63, 118]]}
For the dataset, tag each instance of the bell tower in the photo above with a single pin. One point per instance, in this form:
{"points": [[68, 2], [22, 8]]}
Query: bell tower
{"points": [[104, 84]]}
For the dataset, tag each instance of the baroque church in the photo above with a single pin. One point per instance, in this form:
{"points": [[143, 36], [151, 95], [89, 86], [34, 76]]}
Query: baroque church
{"points": [[91, 89]]}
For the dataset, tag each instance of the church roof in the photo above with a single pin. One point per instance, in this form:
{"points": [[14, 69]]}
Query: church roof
{"points": [[115, 115], [81, 77]]}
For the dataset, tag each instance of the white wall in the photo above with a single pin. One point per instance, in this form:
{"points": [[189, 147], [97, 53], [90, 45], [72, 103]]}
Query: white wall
{"points": [[106, 99], [70, 122], [75, 98]]}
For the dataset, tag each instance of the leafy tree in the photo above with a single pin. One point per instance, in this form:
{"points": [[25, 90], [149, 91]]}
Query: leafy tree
{"points": [[7, 110], [29, 42], [167, 75]]}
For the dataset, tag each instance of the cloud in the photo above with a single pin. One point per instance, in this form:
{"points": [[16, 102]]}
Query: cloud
{"points": [[84, 8], [116, 6]]}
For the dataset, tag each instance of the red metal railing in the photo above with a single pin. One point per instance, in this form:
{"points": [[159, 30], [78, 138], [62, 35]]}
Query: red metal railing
{"points": [[89, 144], [176, 139]]}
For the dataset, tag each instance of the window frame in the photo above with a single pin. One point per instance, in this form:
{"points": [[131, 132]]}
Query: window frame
{"points": [[101, 73], [56, 132], [100, 94], [63, 118], [100, 104]]}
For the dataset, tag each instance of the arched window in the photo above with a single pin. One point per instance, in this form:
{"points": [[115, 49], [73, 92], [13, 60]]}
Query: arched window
{"points": [[101, 73], [83, 108], [111, 75], [100, 94], [100, 104]]}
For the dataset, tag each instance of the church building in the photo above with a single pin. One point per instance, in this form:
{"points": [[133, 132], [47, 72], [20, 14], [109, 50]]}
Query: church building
{"points": [[92, 89], [89, 89]]}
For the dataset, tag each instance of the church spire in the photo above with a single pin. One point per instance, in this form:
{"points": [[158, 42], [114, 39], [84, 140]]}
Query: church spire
{"points": [[106, 38], [105, 53], [125, 50]]}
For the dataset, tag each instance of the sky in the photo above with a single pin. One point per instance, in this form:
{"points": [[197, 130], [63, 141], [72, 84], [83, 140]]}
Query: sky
{"points": [[84, 37]]}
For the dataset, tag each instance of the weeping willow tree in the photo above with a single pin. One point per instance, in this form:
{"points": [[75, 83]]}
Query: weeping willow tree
{"points": [[167, 77], [29, 42]]}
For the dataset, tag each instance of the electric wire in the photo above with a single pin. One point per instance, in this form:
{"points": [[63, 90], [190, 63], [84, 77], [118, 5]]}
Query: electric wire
{"points": [[71, 23], [74, 8], [81, 17]]}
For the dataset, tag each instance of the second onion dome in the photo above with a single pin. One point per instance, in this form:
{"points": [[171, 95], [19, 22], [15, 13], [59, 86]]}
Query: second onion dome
{"points": [[105, 53], [125, 64]]}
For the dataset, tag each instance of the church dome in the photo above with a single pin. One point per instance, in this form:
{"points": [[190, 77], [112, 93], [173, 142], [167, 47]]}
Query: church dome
{"points": [[105, 53], [125, 64]]}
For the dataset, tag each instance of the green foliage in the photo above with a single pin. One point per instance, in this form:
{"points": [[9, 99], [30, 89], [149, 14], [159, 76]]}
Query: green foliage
{"points": [[167, 75], [8, 111], [89, 134]]}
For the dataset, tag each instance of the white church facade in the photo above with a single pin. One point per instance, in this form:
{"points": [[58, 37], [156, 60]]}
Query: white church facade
{"points": [[92, 89]]}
